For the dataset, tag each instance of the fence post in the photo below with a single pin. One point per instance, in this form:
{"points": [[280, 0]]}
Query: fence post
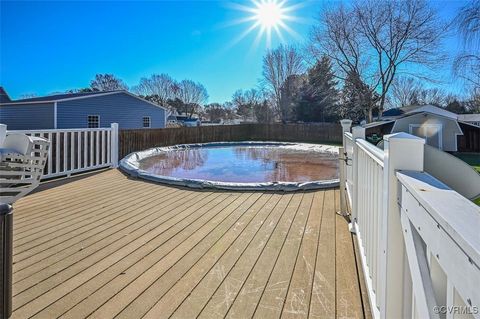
{"points": [[114, 145], [6, 260], [346, 125], [402, 152], [358, 132]]}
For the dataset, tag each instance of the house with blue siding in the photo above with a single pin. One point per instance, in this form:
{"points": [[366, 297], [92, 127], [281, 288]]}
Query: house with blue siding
{"points": [[81, 110]]}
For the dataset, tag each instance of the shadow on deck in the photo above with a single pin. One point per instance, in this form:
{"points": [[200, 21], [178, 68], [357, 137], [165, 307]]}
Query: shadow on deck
{"points": [[108, 246]]}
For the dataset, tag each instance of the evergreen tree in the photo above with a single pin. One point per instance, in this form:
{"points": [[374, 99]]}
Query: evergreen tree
{"points": [[358, 101], [319, 96]]}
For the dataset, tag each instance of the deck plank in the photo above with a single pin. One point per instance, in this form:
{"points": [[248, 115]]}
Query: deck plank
{"points": [[99, 235], [99, 289], [87, 268], [323, 303], [196, 287], [348, 298], [194, 246], [249, 297], [275, 291], [299, 295], [106, 245], [225, 296], [198, 258]]}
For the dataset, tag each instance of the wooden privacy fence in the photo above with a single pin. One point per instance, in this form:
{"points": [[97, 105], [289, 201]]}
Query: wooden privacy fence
{"points": [[418, 239], [141, 139]]}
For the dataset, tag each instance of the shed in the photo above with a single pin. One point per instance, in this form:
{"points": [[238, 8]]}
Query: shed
{"points": [[440, 128]]}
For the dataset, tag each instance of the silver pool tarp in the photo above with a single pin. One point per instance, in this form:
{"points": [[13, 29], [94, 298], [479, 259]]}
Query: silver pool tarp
{"points": [[131, 165]]}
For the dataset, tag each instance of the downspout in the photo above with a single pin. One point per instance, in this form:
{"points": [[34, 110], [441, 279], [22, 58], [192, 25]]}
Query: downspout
{"points": [[54, 115]]}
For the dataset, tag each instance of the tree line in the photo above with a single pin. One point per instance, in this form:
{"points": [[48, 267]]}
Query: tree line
{"points": [[359, 60], [372, 55]]}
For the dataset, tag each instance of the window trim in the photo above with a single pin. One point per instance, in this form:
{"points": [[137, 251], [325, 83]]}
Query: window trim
{"points": [[149, 121], [88, 122]]}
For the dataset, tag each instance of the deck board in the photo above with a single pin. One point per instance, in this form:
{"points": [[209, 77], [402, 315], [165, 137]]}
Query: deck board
{"points": [[109, 246]]}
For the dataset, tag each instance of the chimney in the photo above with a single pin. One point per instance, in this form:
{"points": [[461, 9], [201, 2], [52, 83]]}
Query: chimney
{"points": [[4, 98]]}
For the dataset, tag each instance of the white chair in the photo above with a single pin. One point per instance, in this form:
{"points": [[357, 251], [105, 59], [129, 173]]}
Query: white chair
{"points": [[22, 159]]}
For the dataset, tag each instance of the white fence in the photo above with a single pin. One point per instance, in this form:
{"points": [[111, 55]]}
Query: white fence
{"points": [[78, 150], [419, 240]]}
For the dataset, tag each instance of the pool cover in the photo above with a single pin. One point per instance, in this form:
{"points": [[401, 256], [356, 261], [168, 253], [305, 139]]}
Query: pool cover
{"points": [[131, 165]]}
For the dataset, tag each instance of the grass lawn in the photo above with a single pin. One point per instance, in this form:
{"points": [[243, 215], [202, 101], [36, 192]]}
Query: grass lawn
{"points": [[472, 159]]}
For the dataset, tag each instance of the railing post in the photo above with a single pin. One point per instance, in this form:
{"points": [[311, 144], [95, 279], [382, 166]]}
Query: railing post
{"points": [[402, 152], [6, 261], [346, 125], [114, 145], [357, 132], [342, 177]]}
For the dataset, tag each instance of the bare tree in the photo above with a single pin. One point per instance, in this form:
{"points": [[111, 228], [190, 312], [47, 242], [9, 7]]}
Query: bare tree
{"points": [[160, 86], [408, 91], [378, 39], [191, 92], [245, 102], [467, 63], [337, 36], [278, 65], [107, 82], [404, 92]]}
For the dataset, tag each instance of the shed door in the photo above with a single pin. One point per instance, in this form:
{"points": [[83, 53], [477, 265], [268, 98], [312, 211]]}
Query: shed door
{"points": [[432, 133]]}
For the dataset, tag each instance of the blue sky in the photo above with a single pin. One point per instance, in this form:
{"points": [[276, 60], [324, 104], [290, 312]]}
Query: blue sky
{"points": [[49, 47]]}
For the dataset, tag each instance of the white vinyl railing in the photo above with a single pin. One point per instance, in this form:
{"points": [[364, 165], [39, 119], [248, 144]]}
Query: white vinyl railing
{"points": [[348, 149], [78, 150], [419, 240], [370, 189]]}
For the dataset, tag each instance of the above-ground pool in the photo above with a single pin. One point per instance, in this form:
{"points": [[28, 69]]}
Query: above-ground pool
{"points": [[238, 165]]}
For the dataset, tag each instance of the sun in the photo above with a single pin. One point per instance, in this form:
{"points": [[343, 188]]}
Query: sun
{"points": [[269, 14], [269, 17]]}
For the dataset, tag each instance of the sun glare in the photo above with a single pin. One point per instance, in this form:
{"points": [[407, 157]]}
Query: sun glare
{"points": [[269, 14], [268, 17]]}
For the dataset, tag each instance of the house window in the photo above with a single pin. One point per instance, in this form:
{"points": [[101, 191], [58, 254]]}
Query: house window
{"points": [[146, 121], [93, 121]]}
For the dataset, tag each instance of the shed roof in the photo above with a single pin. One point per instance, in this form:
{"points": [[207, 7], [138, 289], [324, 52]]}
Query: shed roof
{"points": [[402, 111], [377, 123], [434, 110]]}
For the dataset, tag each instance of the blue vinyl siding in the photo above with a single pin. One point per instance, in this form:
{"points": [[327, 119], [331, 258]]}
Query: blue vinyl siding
{"points": [[27, 116], [121, 108]]}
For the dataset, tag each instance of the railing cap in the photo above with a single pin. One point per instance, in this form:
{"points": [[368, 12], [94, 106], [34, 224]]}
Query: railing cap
{"points": [[458, 216], [403, 136]]}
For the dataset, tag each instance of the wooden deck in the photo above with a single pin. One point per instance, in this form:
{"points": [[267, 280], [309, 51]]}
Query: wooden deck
{"points": [[108, 246]]}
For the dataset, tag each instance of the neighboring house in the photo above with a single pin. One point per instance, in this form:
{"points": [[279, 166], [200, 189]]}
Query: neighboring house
{"points": [[4, 98], [440, 128], [470, 118], [172, 119], [81, 110]]}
